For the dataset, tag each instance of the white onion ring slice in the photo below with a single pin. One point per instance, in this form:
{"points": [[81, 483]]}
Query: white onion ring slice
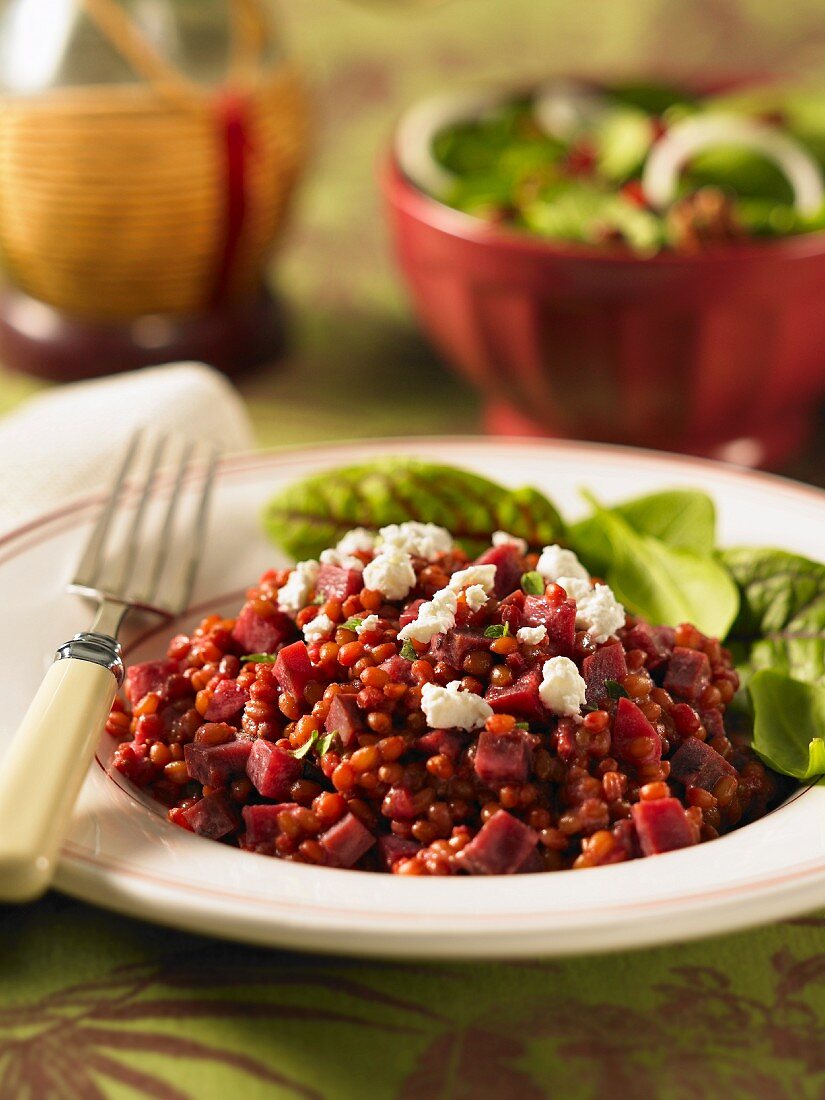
{"points": [[419, 126], [685, 139], [564, 107]]}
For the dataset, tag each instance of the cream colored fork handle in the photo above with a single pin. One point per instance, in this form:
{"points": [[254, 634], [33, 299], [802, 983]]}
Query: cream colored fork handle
{"points": [[41, 774]]}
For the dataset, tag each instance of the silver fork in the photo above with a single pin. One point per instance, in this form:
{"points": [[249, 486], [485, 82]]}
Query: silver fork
{"points": [[41, 775]]}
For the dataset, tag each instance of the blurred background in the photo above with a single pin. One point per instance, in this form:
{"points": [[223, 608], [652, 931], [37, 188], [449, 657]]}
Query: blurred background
{"points": [[353, 361]]}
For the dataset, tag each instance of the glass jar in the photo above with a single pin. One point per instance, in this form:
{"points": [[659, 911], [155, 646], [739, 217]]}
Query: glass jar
{"points": [[150, 148]]}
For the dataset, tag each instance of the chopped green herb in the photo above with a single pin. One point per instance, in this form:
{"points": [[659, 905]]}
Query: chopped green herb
{"points": [[325, 742], [261, 658], [300, 753], [319, 599], [408, 651], [353, 622], [522, 725], [615, 690], [497, 630], [533, 583]]}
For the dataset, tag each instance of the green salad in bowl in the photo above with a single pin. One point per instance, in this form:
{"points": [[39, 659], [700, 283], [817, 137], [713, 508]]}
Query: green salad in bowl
{"points": [[647, 167]]}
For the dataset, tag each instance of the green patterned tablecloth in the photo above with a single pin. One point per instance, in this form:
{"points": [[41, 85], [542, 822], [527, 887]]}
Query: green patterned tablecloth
{"points": [[93, 1005]]}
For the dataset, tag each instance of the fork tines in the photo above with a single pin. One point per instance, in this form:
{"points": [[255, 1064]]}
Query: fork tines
{"points": [[146, 546]]}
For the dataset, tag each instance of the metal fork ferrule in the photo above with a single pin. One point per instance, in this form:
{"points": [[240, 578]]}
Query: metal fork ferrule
{"points": [[99, 649]]}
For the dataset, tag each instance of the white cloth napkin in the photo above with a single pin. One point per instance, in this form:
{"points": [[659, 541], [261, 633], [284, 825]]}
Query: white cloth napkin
{"points": [[68, 440]]}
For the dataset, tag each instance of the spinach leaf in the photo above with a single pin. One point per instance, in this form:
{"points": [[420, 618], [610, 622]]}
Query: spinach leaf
{"points": [[789, 723], [665, 584], [684, 519], [312, 514], [781, 620]]}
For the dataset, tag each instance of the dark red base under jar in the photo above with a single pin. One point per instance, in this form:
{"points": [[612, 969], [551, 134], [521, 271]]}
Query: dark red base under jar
{"points": [[37, 339]]}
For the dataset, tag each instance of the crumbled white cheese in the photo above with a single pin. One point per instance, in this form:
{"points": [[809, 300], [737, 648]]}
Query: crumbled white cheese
{"points": [[557, 562], [531, 635], [294, 595], [485, 575], [452, 708], [391, 573], [475, 596], [424, 540], [504, 538], [343, 561], [436, 616], [358, 539], [319, 629], [576, 588], [367, 625], [599, 613], [562, 688]]}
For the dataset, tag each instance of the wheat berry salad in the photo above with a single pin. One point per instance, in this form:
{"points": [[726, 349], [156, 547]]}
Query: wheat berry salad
{"points": [[425, 701]]}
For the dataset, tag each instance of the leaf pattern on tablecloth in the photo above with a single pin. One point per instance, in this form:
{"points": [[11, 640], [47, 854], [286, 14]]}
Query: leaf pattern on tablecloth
{"points": [[73, 1043], [468, 1063], [698, 1039], [431, 1031]]}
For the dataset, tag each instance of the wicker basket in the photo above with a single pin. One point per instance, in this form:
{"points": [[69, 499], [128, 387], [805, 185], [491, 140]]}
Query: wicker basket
{"points": [[161, 196]]}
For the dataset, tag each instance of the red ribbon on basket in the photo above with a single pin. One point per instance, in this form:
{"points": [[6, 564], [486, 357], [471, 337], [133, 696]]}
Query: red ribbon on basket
{"points": [[232, 116]]}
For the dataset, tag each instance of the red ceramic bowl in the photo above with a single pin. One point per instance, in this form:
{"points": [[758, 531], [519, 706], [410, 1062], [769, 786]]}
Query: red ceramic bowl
{"points": [[719, 354]]}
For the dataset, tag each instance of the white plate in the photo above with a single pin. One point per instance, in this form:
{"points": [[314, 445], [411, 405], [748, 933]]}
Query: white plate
{"points": [[122, 853]]}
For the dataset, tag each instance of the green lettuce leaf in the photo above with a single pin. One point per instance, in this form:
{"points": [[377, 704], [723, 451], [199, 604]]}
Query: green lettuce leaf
{"points": [[683, 519], [314, 513], [666, 584], [789, 724], [781, 620]]}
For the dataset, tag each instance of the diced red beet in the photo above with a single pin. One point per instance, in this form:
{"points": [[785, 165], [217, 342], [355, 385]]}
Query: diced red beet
{"points": [[168, 716], [132, 760], [518, 663], [532, 864], [662, 826], [454, 646], [345, 718], [655, 641], [399, 805], [335, 583], [262, 822], [509, 565], [607, 663], [399, 670], [213, 765], [229, 698], [696, 764], [148, 676], [559, 619], [688, 673], [624, 831], [346, 841], [448, 743], [520, 698], [392, 848], [500, 847], [293, 669], [272, 770], [255, 634], [713, 722], [634, 739], [513, 614], [502, 758], [410, 613], [212, 816]]}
